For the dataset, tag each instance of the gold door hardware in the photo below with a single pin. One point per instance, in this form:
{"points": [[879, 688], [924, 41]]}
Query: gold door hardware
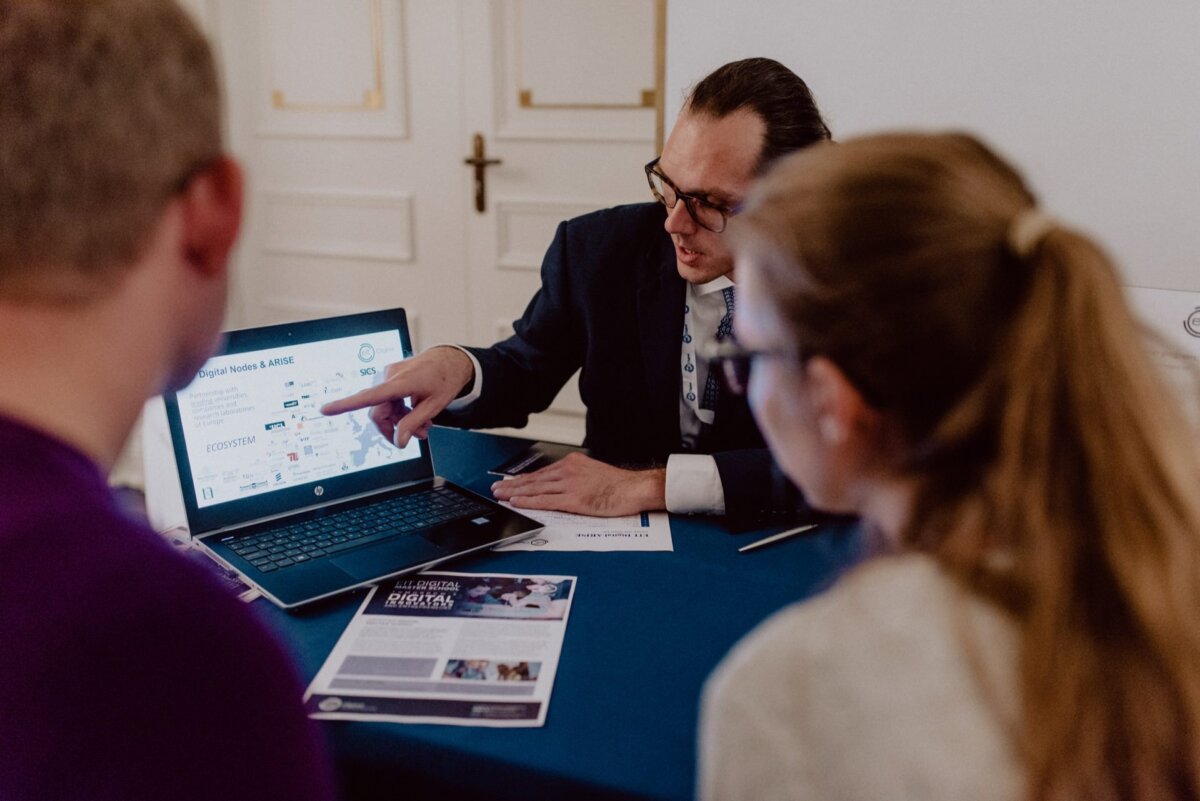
{"points": [[480, 162], [649, 100]]}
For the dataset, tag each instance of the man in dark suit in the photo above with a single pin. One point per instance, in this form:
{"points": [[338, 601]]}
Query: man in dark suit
{"points": [[633, 295]]}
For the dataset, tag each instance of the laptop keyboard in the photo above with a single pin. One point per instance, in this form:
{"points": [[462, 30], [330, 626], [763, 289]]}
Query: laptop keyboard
{"points": [[301, 542]]}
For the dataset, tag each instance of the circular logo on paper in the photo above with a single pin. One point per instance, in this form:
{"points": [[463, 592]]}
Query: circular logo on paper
{"points": [[365, 352], [318, 491], [1192, 323], [330, 704]]}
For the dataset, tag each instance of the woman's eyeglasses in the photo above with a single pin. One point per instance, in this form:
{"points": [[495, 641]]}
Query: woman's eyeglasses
{"points": [[733, 361]]}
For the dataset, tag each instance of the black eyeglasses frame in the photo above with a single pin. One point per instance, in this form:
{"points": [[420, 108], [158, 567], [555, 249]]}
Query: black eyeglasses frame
{"points": [[690, 202]]}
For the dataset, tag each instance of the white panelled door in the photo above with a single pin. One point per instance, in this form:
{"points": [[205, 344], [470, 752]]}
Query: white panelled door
{"points": [[348, 116], [567, 97], [354, 119]]}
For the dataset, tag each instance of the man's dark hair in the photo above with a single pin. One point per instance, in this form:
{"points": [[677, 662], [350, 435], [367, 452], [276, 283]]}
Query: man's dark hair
{"points": [[771, 91]]}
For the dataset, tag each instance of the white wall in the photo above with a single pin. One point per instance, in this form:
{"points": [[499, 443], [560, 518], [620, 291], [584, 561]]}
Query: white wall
{"points": [[1097, 102]]}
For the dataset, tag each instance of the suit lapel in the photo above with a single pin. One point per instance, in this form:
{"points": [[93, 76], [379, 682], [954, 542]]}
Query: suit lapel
{"points": [[660, 321]]}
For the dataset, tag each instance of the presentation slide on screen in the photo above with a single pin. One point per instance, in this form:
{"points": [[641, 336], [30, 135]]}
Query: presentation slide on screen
{"points": [[252, 421]]}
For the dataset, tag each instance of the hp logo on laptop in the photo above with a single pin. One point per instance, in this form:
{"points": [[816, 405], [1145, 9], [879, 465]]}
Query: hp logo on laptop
{"points": [[318, 491]]}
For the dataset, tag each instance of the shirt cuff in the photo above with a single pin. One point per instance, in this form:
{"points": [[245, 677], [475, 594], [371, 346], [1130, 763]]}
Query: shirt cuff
{"points": [[694, 485], [476, 388]]}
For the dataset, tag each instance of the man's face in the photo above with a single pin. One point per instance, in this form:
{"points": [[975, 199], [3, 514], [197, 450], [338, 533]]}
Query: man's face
{"points": [[713, 159], [199, 317], [199, 232], [202, 335]]}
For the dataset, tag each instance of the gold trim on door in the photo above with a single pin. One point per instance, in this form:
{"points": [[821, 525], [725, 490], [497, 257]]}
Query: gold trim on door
{"points": [[651, 98], [660, 73], [525, 99], [372, 98]]}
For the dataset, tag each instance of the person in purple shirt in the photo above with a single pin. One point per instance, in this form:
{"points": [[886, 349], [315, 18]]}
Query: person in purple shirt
{"points": [[125, 671]]}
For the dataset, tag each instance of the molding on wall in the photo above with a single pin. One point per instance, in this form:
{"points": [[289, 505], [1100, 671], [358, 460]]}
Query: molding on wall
{"points": [[375, 105], [349, 224], [294, 309], [577, 121], [511, 253]]}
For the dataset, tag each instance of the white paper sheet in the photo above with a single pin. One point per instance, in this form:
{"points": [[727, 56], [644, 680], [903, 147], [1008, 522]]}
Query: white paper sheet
{"points": [[648, 531]]}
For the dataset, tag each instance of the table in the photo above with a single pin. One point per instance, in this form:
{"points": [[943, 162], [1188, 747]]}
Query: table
{"points": [[645, 631]]}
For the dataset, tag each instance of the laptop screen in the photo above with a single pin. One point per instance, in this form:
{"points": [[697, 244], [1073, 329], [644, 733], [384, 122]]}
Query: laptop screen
{"points": [[252, 420], [249, 436]]}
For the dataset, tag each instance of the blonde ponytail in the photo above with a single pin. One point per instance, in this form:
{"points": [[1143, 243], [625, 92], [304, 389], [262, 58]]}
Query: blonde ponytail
{"points": [[1056, 474], [1098, 466]]}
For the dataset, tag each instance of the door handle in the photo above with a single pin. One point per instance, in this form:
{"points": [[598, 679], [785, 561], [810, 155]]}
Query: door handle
{"points": [[480, 162]]}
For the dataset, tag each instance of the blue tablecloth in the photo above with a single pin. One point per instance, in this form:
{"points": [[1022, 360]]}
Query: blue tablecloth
{"points": [[645, 630]]}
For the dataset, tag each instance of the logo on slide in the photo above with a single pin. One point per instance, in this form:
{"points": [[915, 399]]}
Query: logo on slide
{"points": [[365, 352], [318, 491], [1192, 323]]}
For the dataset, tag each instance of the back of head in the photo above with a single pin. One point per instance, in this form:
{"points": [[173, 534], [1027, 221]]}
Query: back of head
{"points": [[107, 107], [907, 281], [770, 90], [1055, 473]]}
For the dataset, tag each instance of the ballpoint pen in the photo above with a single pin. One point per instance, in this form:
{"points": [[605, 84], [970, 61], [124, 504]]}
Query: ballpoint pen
{"points": [[776, 537]]}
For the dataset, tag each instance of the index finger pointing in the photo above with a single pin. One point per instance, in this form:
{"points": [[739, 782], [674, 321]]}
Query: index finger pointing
{"points": [[371, 396]]}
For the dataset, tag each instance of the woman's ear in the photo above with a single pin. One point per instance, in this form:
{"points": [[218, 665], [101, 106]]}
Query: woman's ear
{"points": [[843, 416], [832, 430]]}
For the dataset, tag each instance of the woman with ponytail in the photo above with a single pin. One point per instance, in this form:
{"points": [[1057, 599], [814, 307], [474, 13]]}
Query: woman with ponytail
{"points": [[933, 352]]}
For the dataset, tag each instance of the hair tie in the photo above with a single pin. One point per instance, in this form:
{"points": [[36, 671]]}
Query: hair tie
{"points": [[1028, 229]]}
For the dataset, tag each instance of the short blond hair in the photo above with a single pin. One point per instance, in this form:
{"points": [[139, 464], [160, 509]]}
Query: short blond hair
{"points": [[107, 107]]}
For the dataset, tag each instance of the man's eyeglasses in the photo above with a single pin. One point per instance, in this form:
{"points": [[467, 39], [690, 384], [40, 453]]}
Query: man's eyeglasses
{"points": [[733, 361], [708, 215]]}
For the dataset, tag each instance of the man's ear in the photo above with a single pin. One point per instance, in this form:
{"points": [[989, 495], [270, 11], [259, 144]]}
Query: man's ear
{"points": [[841, 412], [212, 215]]}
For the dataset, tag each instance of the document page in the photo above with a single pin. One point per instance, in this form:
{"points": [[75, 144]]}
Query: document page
{"points": [[648, 531], [456, 648]]}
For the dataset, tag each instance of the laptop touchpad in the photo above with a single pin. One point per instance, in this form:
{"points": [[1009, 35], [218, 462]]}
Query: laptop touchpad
{"points": [[389, 557]]}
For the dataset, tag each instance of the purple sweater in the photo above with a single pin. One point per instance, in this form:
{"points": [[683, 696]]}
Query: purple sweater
{"points": [[125, 671]]}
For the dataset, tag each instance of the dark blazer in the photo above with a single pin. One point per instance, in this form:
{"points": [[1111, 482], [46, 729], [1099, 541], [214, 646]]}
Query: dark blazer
{"points": [[611, 303]]}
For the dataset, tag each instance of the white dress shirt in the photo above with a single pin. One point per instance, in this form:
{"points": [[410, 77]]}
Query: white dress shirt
{"points": [[693, 483]]}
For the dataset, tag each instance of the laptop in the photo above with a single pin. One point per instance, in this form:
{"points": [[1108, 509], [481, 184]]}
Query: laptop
{"points": [[306, 506]]}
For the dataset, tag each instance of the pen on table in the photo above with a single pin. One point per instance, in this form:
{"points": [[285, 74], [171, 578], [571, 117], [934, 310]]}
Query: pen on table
{"points": [[776, 537]]}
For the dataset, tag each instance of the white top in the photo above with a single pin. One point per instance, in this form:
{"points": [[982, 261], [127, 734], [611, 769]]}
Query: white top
{"points": [[693, 482], [866, 692]]}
